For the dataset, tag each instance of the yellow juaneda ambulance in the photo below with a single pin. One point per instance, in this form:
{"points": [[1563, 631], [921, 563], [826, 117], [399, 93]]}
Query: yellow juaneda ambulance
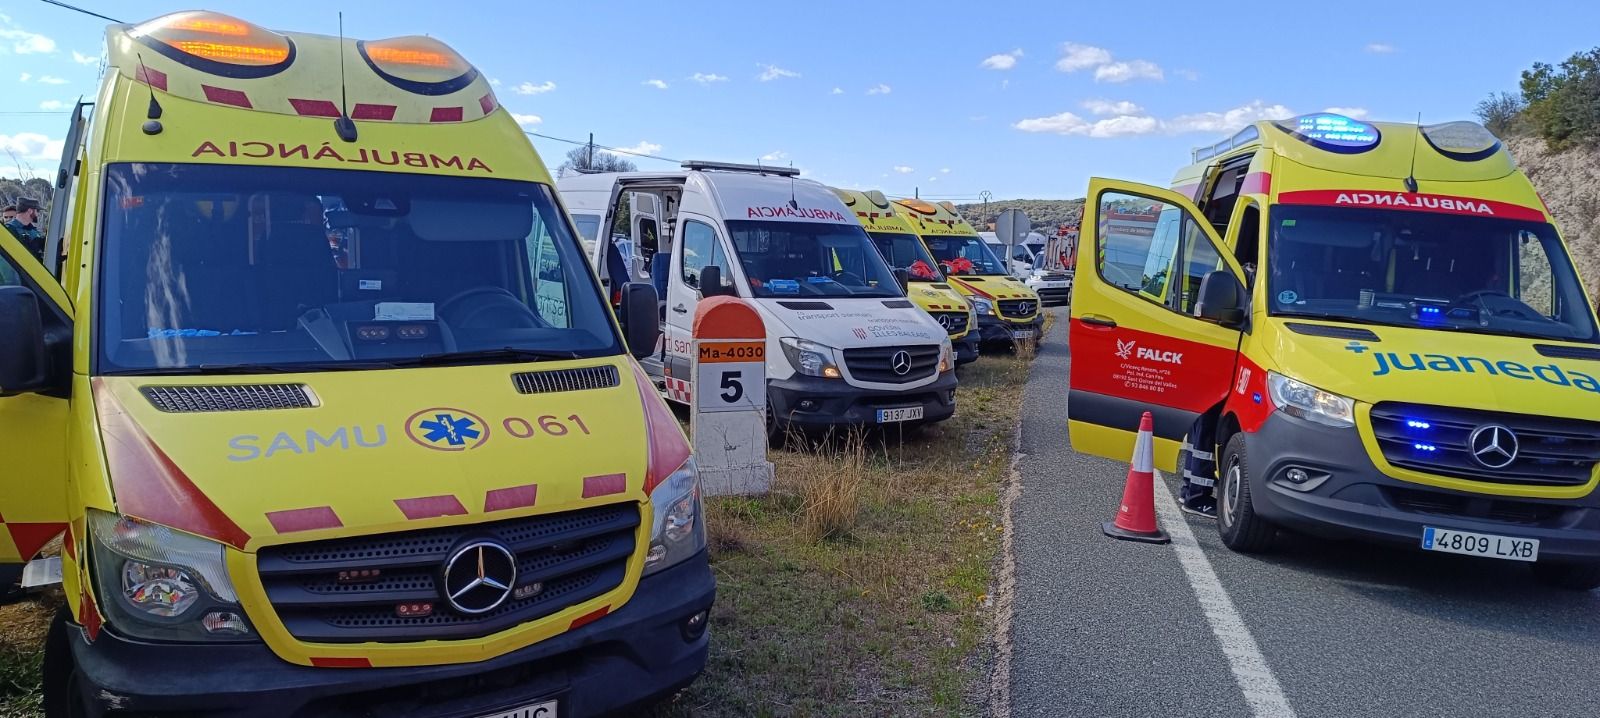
{"points": [[1372, 330], [926, 285], [327, 404], [1008, 311]]}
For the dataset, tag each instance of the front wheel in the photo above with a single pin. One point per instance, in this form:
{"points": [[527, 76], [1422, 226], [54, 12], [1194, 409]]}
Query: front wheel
{"points": [[1570, 576], [63, 697], [1241, 529]]}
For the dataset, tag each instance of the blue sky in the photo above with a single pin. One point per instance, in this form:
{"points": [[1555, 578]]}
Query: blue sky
{"points": [[949, 98]]}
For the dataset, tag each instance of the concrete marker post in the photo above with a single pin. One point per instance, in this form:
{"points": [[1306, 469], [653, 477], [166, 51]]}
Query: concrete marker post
{"points": [[728, 420]]}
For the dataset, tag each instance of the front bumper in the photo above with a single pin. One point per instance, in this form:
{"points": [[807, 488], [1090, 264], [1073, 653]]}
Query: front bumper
{"points": [[994, 329], [967, 349], [811, 402], [1349, 497], [633, 656]]}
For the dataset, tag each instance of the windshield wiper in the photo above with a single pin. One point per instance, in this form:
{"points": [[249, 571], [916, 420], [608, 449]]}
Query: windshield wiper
{"points": [[1337, 318], [500, 355]]}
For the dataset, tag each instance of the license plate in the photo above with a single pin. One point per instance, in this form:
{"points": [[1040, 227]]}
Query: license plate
{"points": [[1022, 334], [1053, 285], [891, 416], [1476, 544], [546, 709]]}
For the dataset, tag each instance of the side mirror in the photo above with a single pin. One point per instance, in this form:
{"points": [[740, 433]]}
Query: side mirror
{"points": [[641, 314], [1221, 300], [24, 360], [711, 282], [902, 277]]}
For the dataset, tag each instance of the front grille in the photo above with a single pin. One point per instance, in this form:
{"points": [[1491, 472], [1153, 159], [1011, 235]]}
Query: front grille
{"points": [[1550, 451], [1509, 511], [1054, 295], [953, 322], [876, 364], [234, 397], [575, 556], [1019, 308], [550, 382]]}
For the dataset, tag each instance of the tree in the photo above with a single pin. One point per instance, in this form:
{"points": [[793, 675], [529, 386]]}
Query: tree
{"points": [[584, 159], [1563, 102], [1499, 112], [12, 190]]}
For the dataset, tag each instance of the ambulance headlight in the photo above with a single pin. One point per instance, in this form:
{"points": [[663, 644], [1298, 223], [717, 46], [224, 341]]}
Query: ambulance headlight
{"points": [[1297, 398], [947, 356], [810, 358], [679, 532], [157, 583], [983, 307]]}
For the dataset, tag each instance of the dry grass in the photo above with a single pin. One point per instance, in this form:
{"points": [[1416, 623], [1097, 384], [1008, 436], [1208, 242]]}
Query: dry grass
{"points": [[23, 626], [831, 499]]}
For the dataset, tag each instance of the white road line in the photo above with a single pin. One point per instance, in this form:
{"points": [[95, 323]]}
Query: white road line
{"points": [[1250, 670]]}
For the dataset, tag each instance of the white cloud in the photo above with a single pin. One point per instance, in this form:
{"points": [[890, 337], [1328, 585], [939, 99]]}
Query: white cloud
{"points": [[902, 169], [83, 59], [1107, 107], [645, 147], [708, 78], [1002, 61], [933, 179], [881, 89], [528, 88], [658, 84], [944, 170], [52, 105], [26, 76], [837, 91], [773, 72], [51, 80], [1189, 75], [27, 43], [1136, 123], [527, 120], [493, 81], [1380, 48], [1354, 113], [1125, 71], [1076, 57], [30, 147], [1229, 120], [775, 156], [1067, 123]]}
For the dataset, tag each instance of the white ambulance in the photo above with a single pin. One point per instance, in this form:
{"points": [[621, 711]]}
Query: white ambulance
{"points": [[844, 345]]}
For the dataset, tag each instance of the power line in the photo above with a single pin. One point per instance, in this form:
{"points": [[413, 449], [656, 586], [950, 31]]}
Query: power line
{"points": [[36, 112], [603, 147], [75, 8]]}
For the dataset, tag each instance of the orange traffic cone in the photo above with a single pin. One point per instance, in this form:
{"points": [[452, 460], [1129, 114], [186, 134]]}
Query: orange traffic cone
{"points": [[1136, 519]]}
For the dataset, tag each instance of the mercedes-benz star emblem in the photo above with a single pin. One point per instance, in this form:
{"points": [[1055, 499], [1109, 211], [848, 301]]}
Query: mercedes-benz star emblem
{"points": [[945, 320], [479, 577], [1493, 445], [901, 362], [1025, 308]]}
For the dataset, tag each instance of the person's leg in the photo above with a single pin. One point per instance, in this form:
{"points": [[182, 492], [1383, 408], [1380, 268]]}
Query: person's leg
{"points": [[1198, 469]]}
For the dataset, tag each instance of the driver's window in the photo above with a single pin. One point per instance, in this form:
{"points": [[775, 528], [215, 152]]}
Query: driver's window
{"points": [[1535, 278], [1153, 250], [701, 250], [549, 282]]}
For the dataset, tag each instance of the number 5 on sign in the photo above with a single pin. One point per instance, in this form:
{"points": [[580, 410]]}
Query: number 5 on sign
{"points": [[732, 376]]}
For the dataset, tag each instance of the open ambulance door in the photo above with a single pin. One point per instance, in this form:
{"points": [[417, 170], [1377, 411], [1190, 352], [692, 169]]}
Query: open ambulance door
{"points": [[1138, 343], [35, 376]]}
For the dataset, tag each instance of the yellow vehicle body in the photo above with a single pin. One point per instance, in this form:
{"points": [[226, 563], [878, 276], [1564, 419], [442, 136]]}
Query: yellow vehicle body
{"points": [[455, 449], [928, 287], [1007, 309], [1381, 317]]}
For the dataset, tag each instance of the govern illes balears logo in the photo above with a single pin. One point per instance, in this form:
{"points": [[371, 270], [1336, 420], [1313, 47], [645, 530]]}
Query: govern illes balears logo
{"points": [[1387, 363]]}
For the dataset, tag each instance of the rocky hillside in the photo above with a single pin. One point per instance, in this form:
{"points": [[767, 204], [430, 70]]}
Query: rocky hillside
{"points": [[1044, 213], [1569, 182]]}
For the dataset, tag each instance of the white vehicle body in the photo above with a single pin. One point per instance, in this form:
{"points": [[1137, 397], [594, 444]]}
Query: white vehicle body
{"points": [[836, 342]]}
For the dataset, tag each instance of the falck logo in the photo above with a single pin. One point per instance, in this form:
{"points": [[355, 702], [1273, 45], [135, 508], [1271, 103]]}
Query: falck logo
{"points": [[446, 429], [479, 577], [1494, 446], [901, 362], [1125, 349]]}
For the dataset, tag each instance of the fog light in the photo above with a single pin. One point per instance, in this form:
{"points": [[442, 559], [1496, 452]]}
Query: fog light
{"points": [[808, 405], [1299, 476], [694, 626]]}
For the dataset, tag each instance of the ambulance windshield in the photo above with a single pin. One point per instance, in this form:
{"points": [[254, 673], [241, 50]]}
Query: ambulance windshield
{"points": [[965, 256], [211, 268], [810, 259], [905, 251], [1422, 269]]}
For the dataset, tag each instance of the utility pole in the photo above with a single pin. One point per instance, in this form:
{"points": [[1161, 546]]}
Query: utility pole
{"points": [[591, 152], [985, 196]]}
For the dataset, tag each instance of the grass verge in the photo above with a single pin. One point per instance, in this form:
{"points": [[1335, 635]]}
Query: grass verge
{"points": [[859, 585]]}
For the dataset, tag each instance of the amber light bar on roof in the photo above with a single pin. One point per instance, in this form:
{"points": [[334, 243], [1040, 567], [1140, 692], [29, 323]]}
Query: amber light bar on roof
{"points": [[217, 44], [418, 64]]}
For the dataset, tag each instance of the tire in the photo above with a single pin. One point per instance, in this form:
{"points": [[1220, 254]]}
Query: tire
{"points": [[1570, 576], [62, 696], [1241, 529]]}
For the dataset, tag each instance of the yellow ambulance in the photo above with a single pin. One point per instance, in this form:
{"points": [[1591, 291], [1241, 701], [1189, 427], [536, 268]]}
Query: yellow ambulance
{"points": [[926, 284], [327, 406], [1008, 311], [1355, 329]]}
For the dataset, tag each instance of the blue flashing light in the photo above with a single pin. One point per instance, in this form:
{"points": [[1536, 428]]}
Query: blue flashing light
{"points": [[1413, 423], [1333, 132], [1424, 447], [1430, 314]]}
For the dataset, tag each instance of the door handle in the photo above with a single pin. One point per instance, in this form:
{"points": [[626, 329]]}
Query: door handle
{"points": [[1099, 321], [681, 309]]}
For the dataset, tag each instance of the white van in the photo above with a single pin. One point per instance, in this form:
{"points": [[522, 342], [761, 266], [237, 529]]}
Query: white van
{"points": [[844, 345]]}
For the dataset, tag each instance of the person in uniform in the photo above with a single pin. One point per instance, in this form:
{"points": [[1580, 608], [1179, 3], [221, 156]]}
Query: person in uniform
{"points": [[25, 225]]}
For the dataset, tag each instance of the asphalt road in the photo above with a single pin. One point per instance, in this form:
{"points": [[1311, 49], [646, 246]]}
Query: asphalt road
{"points": [[1111, 628]]}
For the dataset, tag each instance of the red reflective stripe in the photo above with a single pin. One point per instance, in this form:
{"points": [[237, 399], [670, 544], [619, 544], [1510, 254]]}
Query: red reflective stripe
{"points": [[975, 289], [225, 96], [668, 447], [153, 78], [314, 108], [29, 538], [1412, 202], [89, 617], [487, 103], [514, 497], [589, 618], [340, 662], [311, 519], [447, 114], [604, 485], [428, 507], [1256, 183], [68, 546], [1249, 399], [364, 111]]}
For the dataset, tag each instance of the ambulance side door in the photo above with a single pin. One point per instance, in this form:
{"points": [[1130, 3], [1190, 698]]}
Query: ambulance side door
{"points": [[35, 377], [1137, 344], [699, 245]]}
